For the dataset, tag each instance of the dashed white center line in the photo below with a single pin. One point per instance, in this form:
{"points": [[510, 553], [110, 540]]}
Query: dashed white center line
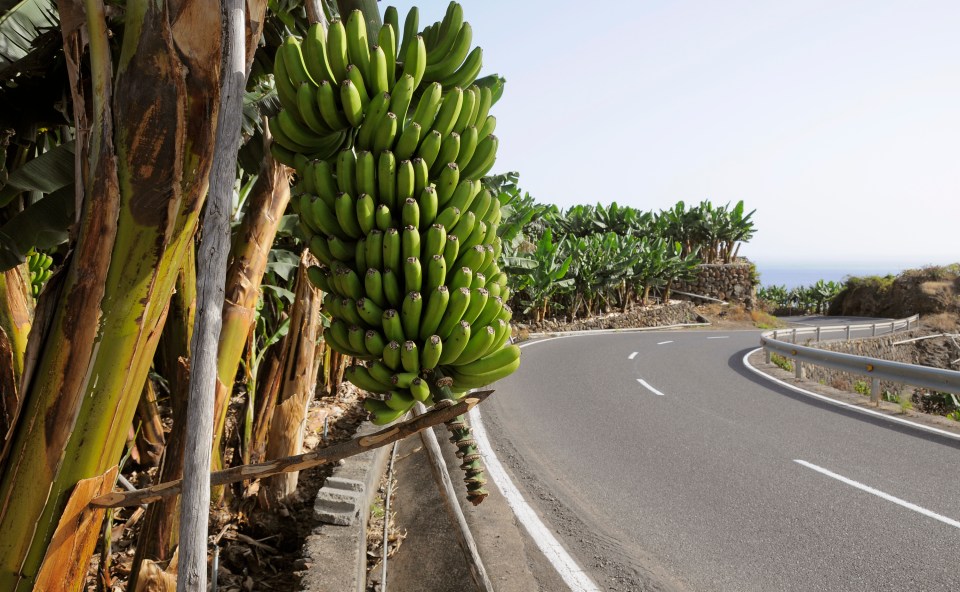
{"points": [[664, 342], [650, 388], [720, 337], [879, 493], [632, 356]]}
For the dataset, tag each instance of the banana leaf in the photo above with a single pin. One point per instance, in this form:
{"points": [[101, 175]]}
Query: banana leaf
{"points": [[51, 171], [21, 22], [42, 225]]}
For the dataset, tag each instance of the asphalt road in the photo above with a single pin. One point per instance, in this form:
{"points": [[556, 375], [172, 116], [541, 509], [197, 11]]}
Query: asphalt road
{"points": [[698, 487]]}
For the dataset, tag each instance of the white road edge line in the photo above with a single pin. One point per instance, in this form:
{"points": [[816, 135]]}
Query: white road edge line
{"points": [[566, 566], [720, 337], [879, 493], [664, 342], [802, 391], [571, 572], [632, 356], [650, 388]]}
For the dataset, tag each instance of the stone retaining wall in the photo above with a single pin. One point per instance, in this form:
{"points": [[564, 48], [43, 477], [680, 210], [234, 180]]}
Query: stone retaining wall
{"points": [[734, 282], [675, 313]]}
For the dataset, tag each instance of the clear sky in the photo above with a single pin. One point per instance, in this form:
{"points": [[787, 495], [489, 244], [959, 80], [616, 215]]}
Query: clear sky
{"points": [[838, 121]]}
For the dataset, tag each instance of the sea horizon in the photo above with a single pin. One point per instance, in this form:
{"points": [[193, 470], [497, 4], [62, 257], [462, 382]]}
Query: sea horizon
{"points": [[795, 274]]}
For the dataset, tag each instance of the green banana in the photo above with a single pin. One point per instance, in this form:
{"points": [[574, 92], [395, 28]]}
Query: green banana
{"points": [[430, 148], [391, 250], [430, 355], [374, 255], [399, 400], [410, 357], [467, 110], [447, 183], [436, 273], [366, 171], [447, 33], [489, 255], [453, 345], [387, 179], [282, 155], [421, 175], [387, 40], [410, 215], [411, 25], [315, 54], [428, 208], [358, 49], [472, 258], [480, 380], [346, 211], [325, 219], [383, 218], [478, 300], [433, 312], [487, 128], [373, 287], [346, 168], [369, 312], [376, 111], [378, 370], [407, 142], [468, 71], [352, 102], [336, 341], [429, 106], [449, 149], [337, 50], [456, 307], [310, 110], [402, 95], [341, 250], [403, 380], [355, 337], [420, 390], [360, 254], [391, 355], [415, 60], [324, 182], [405, 184], [378, 75], [490, 311], [449, 111], [435, 240], [483, 108], [410, 242], [364, 215], [386, 133], [348, 312], [446, 67], [476, 237], [468, 146], [462, 278], [483, 158], [410, 312], [391, 288], [412, 275], [481, 205], [286, 90], [480, 341], [381, 414], [319, 277], [479, 281], [280, 135], [392, 326], [463, 229], [451, 249], [351, 283], [330, 108]]}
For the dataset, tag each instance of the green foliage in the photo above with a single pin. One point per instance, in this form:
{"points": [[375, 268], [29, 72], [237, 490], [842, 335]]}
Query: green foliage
{"points": [[862, 387], [781, 362], [815, 298]]}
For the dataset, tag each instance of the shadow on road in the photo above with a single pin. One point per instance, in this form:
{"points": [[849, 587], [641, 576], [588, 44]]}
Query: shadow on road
{"points": [[735, 363]]}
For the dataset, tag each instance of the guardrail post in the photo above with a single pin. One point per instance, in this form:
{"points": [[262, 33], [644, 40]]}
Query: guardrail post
{"points": [[798, 365], [794, 335], [893, 325], [875, 392], [848, 332], [766, 353], [873, 330], [818, 334]]}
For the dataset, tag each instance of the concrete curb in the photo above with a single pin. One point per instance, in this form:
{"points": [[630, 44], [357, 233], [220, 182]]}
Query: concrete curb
{"points": [[337, 549]]}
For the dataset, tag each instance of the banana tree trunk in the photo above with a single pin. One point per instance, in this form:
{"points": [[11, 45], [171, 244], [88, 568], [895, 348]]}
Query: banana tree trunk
{"points": [[299, 381], [268, 201], [145, 136], [16, 317], [150, 440]]}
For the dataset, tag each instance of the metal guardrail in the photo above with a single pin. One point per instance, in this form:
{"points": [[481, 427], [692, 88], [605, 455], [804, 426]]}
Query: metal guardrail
{"points": [[873, 368]]}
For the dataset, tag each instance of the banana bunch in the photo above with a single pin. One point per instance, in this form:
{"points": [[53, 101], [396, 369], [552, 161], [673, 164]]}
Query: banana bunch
{"points": [[390, 140], [39, 266], [339, 89]]}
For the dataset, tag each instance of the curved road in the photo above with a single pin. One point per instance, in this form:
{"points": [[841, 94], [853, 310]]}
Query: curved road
{"points": [[705, 477]]}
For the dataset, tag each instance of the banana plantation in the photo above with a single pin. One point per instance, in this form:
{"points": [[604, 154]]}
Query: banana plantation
{"points": [[367, 242], [813, 299], [588, 260]]}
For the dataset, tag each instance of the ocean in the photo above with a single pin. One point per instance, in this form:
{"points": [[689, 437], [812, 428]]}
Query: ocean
{"points": [[793, 276]]}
